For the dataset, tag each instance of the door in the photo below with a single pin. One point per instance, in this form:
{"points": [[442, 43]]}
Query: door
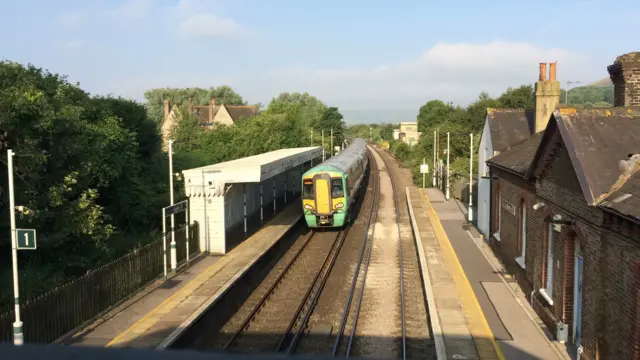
{"points": [[323, 201], [577, 302]]}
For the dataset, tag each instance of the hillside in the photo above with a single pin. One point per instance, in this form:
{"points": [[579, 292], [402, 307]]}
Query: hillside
{"points": [[602, 83]]}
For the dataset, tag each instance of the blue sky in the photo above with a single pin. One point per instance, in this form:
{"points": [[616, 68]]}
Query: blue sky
{"points": [[376, 60]]}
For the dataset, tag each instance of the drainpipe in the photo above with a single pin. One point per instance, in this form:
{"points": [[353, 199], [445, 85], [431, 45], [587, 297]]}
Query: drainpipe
{"points": [[532, 293]]}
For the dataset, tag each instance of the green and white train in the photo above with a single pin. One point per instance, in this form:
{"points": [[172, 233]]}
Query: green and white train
{"points": [[329, 189]]}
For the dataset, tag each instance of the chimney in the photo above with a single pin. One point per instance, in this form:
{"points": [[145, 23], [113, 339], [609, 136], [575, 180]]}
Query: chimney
{"points": [[190, 105], [625, 75], [547, 96], [166, 110], [212, 106], [543, 72]]}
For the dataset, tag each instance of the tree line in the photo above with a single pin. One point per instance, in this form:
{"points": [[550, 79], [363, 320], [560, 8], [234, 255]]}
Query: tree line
{"points": [[461, 121], [92, 171]]}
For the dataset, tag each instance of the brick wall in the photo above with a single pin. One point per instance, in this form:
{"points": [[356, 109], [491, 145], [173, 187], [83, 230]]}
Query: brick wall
{"points": [[625, 75]]}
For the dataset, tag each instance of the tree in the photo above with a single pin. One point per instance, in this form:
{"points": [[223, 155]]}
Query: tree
{"points": [[518, 98], [311, 109], [332, 120], [432, 113]]}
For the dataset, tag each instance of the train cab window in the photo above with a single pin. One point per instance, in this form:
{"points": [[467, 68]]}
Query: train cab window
{"points": [[307, 190], [336, 188]]}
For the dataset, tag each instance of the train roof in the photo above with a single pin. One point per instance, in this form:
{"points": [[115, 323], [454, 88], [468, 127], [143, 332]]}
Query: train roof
{"points": [[347, 158]]}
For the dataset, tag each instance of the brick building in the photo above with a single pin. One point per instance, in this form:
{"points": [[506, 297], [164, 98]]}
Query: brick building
{"points": [[505, 128], [566, 206]]}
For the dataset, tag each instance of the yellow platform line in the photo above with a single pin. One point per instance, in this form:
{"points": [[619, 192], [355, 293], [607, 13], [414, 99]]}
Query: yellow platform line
{"points": [[478, 325], [188, 289], [172, 301]]}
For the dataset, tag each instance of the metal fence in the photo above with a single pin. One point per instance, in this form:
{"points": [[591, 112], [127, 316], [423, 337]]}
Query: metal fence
{"points": [[65, 308]]}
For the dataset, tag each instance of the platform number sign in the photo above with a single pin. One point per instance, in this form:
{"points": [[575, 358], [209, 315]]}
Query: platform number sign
{"points": [[26, 239]]}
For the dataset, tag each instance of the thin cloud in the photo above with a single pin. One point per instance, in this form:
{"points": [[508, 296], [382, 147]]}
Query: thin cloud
{"points": [[213, 26], [134, 9], [72, 20], [456, 72]]}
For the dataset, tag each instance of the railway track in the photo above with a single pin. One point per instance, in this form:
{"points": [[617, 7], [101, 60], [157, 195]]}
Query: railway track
{"points": [[343, 343], [262, 328], [416, 326]]}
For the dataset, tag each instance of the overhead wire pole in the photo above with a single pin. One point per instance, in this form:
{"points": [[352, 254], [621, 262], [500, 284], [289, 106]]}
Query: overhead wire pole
{"points": [[174, 254], [434, 158], [18, 335], [331, 144], [448, 163], [470, 210], [323, 146]]}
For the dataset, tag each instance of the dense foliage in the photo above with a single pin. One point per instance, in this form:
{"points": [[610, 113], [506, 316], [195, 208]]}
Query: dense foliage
{"points": [[93, 174]]}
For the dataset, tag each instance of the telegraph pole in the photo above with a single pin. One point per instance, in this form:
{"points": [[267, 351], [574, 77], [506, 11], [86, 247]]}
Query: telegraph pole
{"points": [[174, 255], [322, 145], [434, 159], [448, 158], [18, 335], [331, 148], [470, 211]]}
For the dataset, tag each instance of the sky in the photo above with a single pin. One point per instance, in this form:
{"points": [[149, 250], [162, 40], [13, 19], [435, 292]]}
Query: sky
{"points": [[378, 61]]}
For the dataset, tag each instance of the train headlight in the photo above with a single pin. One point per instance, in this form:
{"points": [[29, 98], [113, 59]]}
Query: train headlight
{"points": [[308, 207], [339, 205]]}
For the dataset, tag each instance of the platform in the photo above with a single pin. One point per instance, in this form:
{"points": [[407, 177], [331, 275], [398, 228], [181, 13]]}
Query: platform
{"points": [[480, 317], [157, 319], [227, 198]]}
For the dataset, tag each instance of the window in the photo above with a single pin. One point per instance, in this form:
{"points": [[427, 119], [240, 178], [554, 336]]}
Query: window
{"points": [[307, 189], [547, 291], [498, 213], [522, 245], [336, 188]]}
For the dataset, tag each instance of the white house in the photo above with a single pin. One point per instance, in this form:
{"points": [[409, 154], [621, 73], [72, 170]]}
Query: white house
{"points": [[504, 128]]}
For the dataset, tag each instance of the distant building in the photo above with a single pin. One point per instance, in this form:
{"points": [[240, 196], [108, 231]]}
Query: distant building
{"points": [[208, 115], [408, 132], [565, 219]]}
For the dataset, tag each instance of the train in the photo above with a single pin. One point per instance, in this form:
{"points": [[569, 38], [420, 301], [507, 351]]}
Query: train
{"points": [[329, 190]]}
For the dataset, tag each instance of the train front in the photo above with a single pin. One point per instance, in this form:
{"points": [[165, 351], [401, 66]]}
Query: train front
{"points": [[323, 198]]}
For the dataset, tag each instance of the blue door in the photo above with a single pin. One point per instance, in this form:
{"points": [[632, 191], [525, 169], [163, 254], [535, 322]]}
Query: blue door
{"points": [[577, 302]]}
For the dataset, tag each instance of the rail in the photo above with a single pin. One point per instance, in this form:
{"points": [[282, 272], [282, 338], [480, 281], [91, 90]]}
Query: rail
{"points": [[267, 295], [366, 243], [395, 199]]}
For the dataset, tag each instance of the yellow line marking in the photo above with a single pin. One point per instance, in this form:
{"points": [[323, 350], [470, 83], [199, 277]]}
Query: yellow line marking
{"points": [[464, 287], [131, 328], [209, 272]]}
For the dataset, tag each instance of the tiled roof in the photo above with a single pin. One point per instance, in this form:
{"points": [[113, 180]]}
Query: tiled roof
{"points": [[519, 157], [596, 140], [509, 127], [240, 112]]}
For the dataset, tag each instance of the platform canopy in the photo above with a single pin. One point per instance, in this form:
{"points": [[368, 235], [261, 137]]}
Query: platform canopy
{"points": [[251, 169]]}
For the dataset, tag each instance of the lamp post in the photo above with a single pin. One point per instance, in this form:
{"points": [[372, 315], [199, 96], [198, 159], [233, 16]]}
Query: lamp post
{"points": [[18, 335], [470, 211], [174, 253], [566, 93], [448, 163]]}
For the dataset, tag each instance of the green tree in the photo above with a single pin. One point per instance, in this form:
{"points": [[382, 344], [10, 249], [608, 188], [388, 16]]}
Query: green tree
{"points": [[518, 98], [431, 113]]}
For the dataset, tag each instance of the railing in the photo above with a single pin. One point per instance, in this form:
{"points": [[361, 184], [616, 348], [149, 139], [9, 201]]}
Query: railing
{"points": [[67, 307]]}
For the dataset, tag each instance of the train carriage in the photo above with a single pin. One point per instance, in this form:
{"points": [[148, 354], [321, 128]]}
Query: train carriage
{"points": [[329, 189]]}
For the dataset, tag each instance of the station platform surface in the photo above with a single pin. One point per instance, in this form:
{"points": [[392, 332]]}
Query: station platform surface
{"points": [[166, 311], [487, 320]]}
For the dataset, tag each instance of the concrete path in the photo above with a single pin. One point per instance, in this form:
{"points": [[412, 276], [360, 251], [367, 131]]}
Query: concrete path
{"points": [[516, 329]]}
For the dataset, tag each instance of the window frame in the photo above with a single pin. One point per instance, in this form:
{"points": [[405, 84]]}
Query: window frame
{"points": [[522, 237], [547, 290]]}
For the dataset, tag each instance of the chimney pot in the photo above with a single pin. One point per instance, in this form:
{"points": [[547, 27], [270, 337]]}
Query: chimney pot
{"points": [[543, 71], [552, 71]]}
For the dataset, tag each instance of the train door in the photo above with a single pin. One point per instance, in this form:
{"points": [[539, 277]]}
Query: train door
{"points": [[323, 197]]}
